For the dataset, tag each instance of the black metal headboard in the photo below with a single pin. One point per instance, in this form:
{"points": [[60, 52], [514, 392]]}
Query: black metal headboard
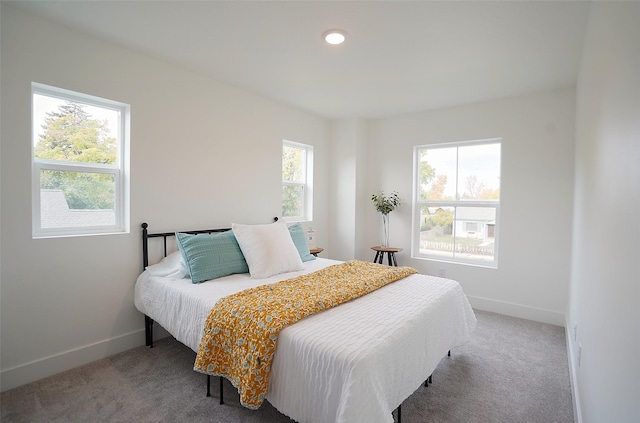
{"points": [[164, 235]]}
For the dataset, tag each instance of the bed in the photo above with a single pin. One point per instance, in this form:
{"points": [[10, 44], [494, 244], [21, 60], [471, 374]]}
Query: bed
{"points": [[356, 362]]}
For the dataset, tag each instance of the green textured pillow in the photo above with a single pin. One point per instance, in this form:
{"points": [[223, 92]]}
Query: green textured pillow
{"points": [[211, 256], [300, 241]]}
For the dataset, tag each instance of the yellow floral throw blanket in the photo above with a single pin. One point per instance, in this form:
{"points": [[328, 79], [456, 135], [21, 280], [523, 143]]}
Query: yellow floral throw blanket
{"points": [[240, 333]]}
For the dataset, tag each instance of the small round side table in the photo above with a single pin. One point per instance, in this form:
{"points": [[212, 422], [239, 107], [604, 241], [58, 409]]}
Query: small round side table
{"points": [[391, 255]]}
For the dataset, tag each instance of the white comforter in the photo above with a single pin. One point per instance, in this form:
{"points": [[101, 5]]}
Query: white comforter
{"points": [[353, 363]]}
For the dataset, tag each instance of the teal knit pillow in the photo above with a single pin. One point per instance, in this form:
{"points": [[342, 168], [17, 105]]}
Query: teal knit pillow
{"points": [[211, 256], [300, 241]]}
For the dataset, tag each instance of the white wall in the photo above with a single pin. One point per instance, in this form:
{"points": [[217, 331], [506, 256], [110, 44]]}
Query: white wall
{"points": [[537, 134], [605, 275], [348, 169], [203, 154]]}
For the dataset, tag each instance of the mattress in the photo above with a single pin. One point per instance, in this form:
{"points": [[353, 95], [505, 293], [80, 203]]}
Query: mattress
{"points": [[353, 363]]}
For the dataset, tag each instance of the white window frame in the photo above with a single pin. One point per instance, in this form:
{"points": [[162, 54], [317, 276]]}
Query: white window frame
{"points": [[418, 204], [119, 170], [306, 185]]}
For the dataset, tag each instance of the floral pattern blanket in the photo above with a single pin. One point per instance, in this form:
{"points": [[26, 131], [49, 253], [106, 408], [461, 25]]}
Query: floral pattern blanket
{"points": [[240, 334]]}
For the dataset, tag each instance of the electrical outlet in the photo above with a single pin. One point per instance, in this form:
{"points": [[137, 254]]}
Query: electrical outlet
{"points": [[579, 354]]}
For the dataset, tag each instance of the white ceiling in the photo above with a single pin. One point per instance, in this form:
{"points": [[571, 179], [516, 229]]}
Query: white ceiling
{"points": [[399, 56]]}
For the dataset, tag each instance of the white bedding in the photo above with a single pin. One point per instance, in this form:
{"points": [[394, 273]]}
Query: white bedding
{"points": [[354, 363]]}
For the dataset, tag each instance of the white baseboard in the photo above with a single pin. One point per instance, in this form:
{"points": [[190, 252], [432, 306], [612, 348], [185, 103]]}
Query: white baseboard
{"points": [[47, 366], [575, 394], [518, 310]]}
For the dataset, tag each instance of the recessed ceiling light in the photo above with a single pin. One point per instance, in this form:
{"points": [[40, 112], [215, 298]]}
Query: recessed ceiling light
{"points": [[334, 36]]}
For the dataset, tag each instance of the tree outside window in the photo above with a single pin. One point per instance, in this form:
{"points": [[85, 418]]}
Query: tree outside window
{"points": [[70, 134]]}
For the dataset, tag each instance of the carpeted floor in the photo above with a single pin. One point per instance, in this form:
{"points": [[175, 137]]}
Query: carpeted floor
{"points": [[512, 370]]}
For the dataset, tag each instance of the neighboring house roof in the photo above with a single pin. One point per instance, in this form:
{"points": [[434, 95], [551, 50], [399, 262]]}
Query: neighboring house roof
{"points": [[478, 214], [55, 212]]}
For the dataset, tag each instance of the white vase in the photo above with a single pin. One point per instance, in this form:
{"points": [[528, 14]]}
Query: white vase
{"points": [[385, 230]]}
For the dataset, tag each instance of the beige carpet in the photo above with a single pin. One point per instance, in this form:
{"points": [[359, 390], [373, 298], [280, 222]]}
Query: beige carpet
{"points": [[512, 370]]}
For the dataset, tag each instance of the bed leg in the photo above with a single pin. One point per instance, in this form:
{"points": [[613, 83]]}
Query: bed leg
{"points": [[428, 380], [148, 331], [221, 392], [209, 388], [449, 353], [399, 413]]}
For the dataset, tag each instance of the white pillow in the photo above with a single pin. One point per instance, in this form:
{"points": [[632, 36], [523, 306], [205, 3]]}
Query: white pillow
{"points": [[268, 249], [172, 267]]}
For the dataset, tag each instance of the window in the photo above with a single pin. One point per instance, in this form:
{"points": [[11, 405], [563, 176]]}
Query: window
{"points": [[297, 178], [457, 202], [471, 227], [80, 163]]}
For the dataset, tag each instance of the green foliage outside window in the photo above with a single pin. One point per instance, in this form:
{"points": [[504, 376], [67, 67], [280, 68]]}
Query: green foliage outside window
{"points": [[292, 201], [293, 170], [71, 135], [442, 218]]}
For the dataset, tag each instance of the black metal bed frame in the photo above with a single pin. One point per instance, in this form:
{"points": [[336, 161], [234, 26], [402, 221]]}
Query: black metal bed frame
{"points": [[148, 322]]}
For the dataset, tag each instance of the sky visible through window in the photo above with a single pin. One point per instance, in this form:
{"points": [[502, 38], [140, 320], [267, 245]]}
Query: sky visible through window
{"points": [[480, 161]]}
